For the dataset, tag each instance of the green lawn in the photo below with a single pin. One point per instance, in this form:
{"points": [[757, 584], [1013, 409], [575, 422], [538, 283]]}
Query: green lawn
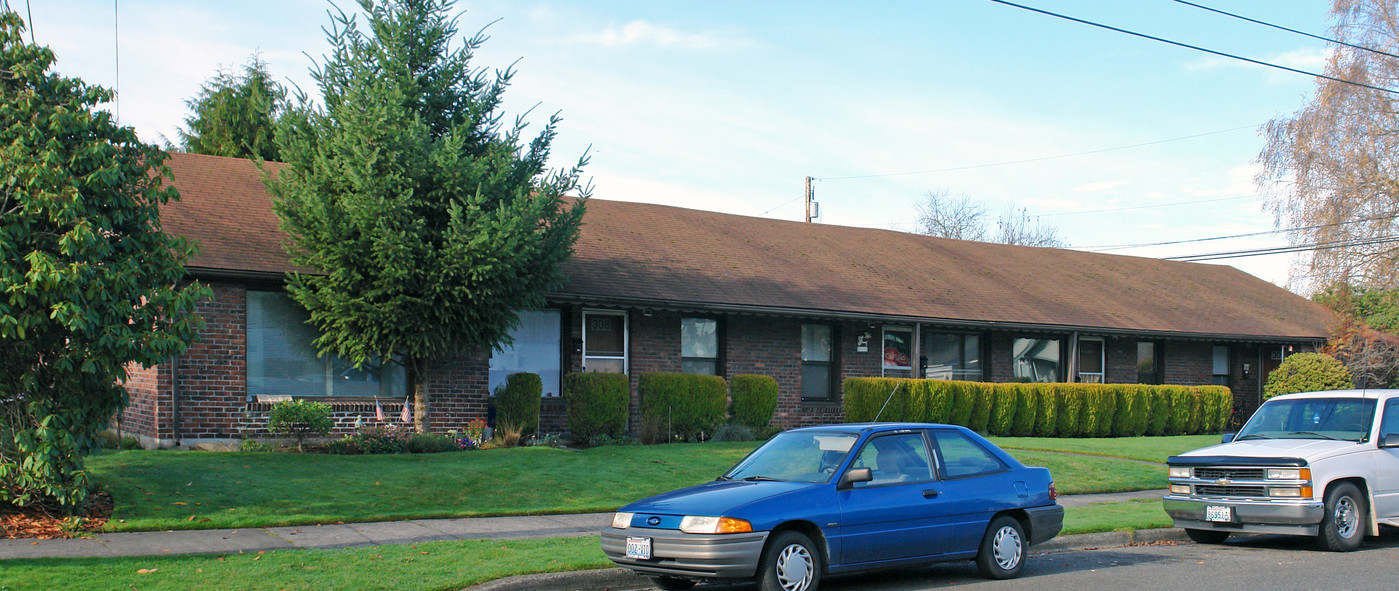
{"points": [[1119, 516], [1148, 449], [431, 566], [158, 490]]}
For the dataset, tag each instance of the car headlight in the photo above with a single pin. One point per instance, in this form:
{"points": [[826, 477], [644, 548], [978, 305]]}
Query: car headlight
{"points": [[1289, 474], [1178, 472], [700, 524], [621, 520]]}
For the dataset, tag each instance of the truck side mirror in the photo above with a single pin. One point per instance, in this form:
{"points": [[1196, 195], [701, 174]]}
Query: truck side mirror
{"points": [[848, 479], [1389, 440], [1228, 437]]}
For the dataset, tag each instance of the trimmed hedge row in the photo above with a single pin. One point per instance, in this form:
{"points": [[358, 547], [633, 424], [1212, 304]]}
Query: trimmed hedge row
{"points": [[597, 403], [1042, 410], [754, 399], [687, 403]]}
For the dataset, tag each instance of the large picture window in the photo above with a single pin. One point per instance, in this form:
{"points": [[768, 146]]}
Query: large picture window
{"points": [[282, 361], [535, 349], [952, 356], [699, 346], [1090, 361], [1035, 360], [817, 341], [604, 341]]}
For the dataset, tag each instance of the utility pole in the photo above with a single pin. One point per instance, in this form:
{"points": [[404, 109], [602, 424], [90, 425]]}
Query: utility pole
{"points": [[809, 217]]}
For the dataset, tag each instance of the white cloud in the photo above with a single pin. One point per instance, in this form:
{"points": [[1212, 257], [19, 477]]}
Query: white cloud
{"points": [[1099, 186], [640, 32]]}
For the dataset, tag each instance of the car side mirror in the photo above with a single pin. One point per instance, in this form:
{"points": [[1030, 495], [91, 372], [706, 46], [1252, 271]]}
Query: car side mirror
{"points": [[1390, 440], [848, 479], [1227, 438]]}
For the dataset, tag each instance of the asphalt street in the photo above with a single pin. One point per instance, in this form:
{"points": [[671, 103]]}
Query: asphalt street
{"points": [[1254, 562]]}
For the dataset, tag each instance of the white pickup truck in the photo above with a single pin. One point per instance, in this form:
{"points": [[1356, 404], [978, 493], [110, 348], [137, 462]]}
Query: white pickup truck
{"points": [[1323, 464]]}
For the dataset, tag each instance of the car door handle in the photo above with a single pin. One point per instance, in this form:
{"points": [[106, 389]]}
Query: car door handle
{"points": [[930, 493]]}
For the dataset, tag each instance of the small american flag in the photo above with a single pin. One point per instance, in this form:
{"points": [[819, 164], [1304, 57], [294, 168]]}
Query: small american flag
{"points": [[378, 410], [407, 415]]}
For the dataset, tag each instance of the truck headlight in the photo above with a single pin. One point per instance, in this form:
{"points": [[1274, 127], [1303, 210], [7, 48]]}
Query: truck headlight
{"points": [[621, 520], [1178, 472], [1289, 474], [699, 524]]}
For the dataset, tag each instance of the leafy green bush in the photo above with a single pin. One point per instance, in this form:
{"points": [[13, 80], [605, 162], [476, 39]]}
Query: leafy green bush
{"points": [[754, 401], [935, 399], [1025, 409], [377, 439], [300, 419], [1003, 410], [429, 443], [1181, 403], [1216, 402], [1133, 410], [963, 403], [597, 404], [1102, 409], [687, 405], [255, 445], [517, 404], [863, 398], [1159, 413], [1070, 412], [1046, 410], [1307, 372], [733, 432]]}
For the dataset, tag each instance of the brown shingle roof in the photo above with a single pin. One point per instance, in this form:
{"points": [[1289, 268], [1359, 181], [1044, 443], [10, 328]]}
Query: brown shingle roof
{"points": [[659, 255]]}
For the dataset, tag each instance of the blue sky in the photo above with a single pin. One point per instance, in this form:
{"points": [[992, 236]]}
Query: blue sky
{"points": [[727, 106]]}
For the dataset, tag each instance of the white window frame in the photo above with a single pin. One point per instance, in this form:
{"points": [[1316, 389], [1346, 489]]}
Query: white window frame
{"points": [[1102, 361], [626, 338]]}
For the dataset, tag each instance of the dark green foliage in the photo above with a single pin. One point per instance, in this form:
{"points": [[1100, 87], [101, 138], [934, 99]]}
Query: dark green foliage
{"points": [[1103, 409], [1181, 404], [1216, 403], [1025, 410], [1307, 372], [963, 403], [1133, 410], [754, 400], [1378, 307], [1005, 401], [1046, 410], [936, 397], [597, 404], [1159, 414], [1070, 412], [687, 405], [517, 404], [863, 398], [983, 395], [429, 443], [235, 115], [300, 419], [91, 285], [733, 432], [425, 221]]}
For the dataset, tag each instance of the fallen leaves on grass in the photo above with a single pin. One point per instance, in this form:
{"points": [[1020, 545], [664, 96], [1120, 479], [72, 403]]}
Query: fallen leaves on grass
{"points": [[34, 522]]}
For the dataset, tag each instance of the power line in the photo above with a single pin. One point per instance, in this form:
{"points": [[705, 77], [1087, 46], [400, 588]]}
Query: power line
{"points": [[1109, 247], [1194, 47], [1280, 27], [1214, 256], [1038, 159]]}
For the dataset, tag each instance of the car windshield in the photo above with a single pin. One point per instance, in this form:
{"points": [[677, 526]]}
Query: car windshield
{"points": [[1347, 419], [797, 456]]}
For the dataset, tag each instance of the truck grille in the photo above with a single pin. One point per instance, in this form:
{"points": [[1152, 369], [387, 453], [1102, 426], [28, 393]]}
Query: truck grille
{"points": [[1216, 490], [1230, 473]]}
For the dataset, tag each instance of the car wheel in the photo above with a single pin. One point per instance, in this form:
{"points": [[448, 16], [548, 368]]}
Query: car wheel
{"points": [[1002, 553], [672, 583], [790, 563], [1343, 525], [1207, 536]]}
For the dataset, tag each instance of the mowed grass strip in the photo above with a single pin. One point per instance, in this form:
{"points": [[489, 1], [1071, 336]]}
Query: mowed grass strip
{"points": [[161, 490], [1078, 475], [432, 566], [1146, 449], [1118, 516]]}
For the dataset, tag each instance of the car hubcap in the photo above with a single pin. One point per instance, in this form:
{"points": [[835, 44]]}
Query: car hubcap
{"points": [[794, 568], [1345, 517], [1006, 547]]}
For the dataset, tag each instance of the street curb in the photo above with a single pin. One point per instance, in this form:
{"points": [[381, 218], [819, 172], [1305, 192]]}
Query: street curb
{"points": [[612, 578]]}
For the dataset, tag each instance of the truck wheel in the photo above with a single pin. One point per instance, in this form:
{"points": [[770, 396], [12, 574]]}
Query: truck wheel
{"points": [[1344, 523], [790, 563], [1207, 536]]}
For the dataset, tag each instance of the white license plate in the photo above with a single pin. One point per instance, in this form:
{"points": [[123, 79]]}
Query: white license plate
{"points": [[1219, 513], [639, 548]]}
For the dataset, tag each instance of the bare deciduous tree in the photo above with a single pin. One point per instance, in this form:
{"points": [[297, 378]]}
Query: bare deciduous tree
{"points": [[1331, 169], [1015, 227], [945, 216]]}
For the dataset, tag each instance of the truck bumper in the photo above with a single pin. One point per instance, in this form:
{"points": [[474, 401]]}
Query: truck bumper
{"points": [[1299, 517], [693, 556]]}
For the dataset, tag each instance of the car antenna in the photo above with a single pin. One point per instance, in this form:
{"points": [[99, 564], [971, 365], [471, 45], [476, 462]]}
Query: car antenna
{"points": [[886, 402]]}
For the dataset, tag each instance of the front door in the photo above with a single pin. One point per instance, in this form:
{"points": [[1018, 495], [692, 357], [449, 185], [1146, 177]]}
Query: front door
{"points": [[1387, 465], [889, 518]]}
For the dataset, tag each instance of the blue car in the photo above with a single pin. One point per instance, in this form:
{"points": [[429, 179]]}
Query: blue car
{"points": [[838, 499]]}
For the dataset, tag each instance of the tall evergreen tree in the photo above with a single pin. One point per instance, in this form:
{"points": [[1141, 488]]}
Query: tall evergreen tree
{"points": [[429, 223], [90, 282], [235, 114]]}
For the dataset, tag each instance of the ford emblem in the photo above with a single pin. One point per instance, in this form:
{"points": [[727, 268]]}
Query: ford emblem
{"points": [[653, 520]]}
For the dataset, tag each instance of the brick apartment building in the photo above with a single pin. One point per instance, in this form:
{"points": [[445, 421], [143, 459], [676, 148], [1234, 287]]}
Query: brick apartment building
{"points": [[663, 289]]}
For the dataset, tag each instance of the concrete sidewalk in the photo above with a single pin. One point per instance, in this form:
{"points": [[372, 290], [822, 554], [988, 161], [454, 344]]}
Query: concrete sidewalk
{"points": [[222, 541]]}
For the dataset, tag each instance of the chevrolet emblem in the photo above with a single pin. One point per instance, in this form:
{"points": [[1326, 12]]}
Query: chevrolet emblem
{"points": [[1223, 482]]}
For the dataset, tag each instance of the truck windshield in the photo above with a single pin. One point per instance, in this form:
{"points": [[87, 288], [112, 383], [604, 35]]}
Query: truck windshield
{"points": [[1346, 419]]}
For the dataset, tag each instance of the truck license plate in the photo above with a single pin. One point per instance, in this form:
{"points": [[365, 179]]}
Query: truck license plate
{"points": [[1219, 513], [639, 548]]}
